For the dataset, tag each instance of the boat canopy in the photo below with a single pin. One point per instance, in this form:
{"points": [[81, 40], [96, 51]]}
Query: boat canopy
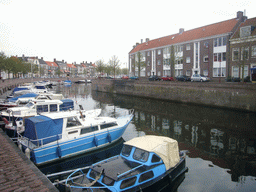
{"points": [[23, 96], [164, 147], [19, 89], [43, 129]]}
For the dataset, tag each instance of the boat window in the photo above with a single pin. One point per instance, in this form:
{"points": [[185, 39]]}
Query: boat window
{"points": [[30, 104], [155, 159], [146, 176], [41, 108], [107, 125], [94, 174], [128, 182], [89, 129], [72, 122], [106, 180], [140, 155], [53, 107], [126, 150]]}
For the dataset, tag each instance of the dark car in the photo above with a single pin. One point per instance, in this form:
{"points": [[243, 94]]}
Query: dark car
{"points": [[183, 78], [167, 78], [154, 78], [134, 77]]}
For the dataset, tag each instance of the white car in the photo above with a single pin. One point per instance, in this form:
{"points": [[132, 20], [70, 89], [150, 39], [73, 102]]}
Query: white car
{"points": [[197, 77]]}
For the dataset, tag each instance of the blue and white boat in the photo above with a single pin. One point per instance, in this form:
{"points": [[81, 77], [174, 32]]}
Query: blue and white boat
{"points": [[14, 117], [143, 162], [55, 136], [68, 82]]}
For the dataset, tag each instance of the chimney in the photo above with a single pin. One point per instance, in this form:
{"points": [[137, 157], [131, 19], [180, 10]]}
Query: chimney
{"points": [[54, 60], [239, 14], [137, 44], [63, 61], [133, 46], [147, 39], [141, 41], [181, 30], [42, 58]]}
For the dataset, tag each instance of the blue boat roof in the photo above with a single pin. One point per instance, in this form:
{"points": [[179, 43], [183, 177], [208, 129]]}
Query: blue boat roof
{"points": [[22, 96]]}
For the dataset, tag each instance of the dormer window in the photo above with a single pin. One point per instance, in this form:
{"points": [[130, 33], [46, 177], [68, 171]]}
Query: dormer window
{"points": [[245, 31]]}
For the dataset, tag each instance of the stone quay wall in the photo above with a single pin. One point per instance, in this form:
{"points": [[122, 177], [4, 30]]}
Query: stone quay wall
{"points": [[239, 96]]}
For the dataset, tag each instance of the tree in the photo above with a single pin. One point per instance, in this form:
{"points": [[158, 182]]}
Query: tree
{"points": [[125, 71], [100, 66], [172, 61], [114, 63], [139, 63], [2, 63]]}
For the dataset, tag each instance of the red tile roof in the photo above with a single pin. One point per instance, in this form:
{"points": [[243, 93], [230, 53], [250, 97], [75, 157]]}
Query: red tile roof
{"points": [[71, 66], [248, 22], [198, 33], [51, 64]]}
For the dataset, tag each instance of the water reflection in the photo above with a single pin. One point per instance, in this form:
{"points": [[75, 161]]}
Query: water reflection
{"points": [[221, 142]]}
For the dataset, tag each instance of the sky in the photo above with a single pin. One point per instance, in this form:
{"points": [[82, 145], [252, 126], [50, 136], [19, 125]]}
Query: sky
{"points": [[90, 30]]}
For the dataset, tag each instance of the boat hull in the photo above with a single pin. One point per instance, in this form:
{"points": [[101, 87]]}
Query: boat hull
{"points": [[65, 149]]}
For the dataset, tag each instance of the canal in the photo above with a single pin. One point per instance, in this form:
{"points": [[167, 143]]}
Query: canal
{"points": [[221, 143]]}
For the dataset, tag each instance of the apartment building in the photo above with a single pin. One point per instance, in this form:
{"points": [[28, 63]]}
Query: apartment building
{"points": [[203, 50], [243, 50]]}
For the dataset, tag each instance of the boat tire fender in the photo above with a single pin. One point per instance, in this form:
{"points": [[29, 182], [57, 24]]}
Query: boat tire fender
{"points": [[109, 138], [58, 152]]}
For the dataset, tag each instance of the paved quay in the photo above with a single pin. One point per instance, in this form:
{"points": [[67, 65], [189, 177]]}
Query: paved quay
{"points": [[17, 172]]}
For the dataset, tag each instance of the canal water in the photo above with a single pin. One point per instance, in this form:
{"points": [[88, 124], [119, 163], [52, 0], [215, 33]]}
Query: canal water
{"points": [[221, 143]]}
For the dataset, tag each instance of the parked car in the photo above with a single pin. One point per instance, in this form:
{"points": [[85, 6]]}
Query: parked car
{"points": [[154, 78], [125, 77], [134, 77], [197, 77], [167, 78], [183, 78]]}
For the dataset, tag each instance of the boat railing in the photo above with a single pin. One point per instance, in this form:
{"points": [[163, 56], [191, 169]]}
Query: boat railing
{"points": [[33, 143]]}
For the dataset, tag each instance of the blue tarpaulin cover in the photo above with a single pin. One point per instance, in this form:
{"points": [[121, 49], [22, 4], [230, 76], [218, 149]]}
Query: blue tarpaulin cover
{"points": [[19, 89], [23, 96], [44, 128], [67, 104]]}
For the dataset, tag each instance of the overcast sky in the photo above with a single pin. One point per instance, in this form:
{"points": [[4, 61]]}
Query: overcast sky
{"points": [[89, 30]]}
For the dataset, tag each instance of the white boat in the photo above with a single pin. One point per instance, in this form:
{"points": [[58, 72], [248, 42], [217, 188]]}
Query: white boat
{"points": [[55, 136], [14, 117]]}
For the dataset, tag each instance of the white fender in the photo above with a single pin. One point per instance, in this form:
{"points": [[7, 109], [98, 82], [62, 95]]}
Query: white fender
{"points": [[20, 126], [27, 153]]}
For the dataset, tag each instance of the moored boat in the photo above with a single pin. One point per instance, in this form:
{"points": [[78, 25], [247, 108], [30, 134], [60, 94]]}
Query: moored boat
{"points": [[55, 136], [143, 162]]}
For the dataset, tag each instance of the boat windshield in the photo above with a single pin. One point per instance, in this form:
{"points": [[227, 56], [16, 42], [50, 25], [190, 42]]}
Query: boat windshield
{"points": [[140, 155], [30, 105], [126, 150]]}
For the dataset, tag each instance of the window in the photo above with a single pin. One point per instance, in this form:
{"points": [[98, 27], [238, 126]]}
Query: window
{"points": [[188, 73], [148, 53], [224, 40], [221, 41], [159, 52], [128, 182], [224, 57], [245, 31], [159, 73], [146, 176], [188, 60], [126, 151], [235, 54], [205, 73], [253, 51], [107, 125], [235, 72], [42, 108], [245, 53], [155, 159], [159, 62], [140, 155], [206, 59], [219, 72], [148, 63], [206, 44], [53, 107], [245, 71], [72, 122], [88, 129], [188, 47]]}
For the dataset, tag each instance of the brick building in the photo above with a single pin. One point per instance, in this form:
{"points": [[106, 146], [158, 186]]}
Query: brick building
{"points": [[204, 50]]}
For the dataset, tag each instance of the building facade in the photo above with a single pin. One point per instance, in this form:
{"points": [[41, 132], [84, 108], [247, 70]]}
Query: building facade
{"points": [[204, 50], [243, 50]]}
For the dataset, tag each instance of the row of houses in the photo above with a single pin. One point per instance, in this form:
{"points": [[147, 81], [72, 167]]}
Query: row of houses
{"points": [[220, 50], [57, 68]]}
